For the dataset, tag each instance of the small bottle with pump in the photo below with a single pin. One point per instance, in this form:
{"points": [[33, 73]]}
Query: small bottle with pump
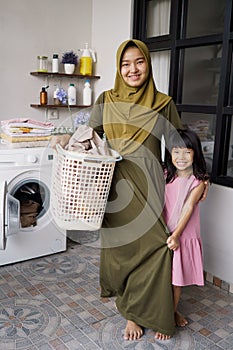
{"points": [[87, 93], [71, 95], [85, 62], [43, 96], [55, 63]]}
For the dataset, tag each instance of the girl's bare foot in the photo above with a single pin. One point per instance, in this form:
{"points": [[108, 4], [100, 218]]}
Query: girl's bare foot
{"points": [[132, 331], [161, 336], [180, 320]]}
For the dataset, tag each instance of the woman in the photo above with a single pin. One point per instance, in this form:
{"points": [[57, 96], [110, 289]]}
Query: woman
{"points": [[135, 260], [135, 264]]}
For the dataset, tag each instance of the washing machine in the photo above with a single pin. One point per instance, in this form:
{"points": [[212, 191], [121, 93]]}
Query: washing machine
{"points": [[208, 151], [27, 229]]}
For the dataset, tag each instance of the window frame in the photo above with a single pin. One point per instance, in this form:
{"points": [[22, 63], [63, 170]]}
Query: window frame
{"points": [[176, 42]]}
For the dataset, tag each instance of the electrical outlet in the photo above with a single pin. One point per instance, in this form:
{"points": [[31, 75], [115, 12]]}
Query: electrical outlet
{"points": [[52, 114]]}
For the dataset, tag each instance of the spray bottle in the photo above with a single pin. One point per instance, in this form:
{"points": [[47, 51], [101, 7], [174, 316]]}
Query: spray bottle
{"points": [[88, 56]]}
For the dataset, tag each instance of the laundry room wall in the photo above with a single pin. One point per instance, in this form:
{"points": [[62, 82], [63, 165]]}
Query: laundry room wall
{"points": [[111, 24], [216, 232], [30, 28]]}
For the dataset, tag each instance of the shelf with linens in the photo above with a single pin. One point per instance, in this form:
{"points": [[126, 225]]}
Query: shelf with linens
{"points": [[50, 75]]}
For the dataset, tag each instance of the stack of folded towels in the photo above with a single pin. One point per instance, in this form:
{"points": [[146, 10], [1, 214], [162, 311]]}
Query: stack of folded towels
{"points": [[26, 132]]}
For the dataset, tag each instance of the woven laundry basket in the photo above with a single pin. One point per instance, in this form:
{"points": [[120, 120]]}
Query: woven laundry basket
{"points": [[80, 188]]}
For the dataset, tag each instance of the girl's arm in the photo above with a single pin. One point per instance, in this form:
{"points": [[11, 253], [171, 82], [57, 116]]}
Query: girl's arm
{"points": [[186, 212]]}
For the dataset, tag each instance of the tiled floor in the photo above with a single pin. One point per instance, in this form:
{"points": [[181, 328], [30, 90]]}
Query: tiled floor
{"points": [[53, 303]]}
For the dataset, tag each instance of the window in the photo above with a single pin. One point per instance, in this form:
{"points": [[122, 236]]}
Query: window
{"points": [[158, 17], [191, 45], [161, 69], [201, 70]]}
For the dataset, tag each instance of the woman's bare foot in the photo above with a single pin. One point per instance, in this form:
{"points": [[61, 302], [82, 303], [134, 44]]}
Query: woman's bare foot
{"points": [[180, 320], [104, 300], [161, 336], [132, 331]]}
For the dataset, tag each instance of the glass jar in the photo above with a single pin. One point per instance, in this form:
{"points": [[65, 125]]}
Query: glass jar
{"points": [[42, 63]]}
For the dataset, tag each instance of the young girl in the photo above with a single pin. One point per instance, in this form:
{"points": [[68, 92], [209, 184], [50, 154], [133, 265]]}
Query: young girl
{"points": [[185, 182]]}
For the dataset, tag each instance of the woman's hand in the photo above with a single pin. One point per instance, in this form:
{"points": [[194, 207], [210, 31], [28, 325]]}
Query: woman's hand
{"points": [[62, 140]]}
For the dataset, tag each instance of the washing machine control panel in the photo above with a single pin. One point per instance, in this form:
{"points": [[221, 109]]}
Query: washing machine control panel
{"points": [[24, 157]]}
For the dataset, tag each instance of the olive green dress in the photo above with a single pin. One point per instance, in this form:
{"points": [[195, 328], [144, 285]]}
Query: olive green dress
{"points": [[135, 265]]}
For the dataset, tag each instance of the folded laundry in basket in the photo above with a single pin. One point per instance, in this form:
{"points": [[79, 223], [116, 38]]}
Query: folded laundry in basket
{"points": [[86, 140]]}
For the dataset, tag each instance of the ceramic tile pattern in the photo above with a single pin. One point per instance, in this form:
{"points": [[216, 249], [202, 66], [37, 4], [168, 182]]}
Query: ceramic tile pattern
{"points": [[52, 303]]}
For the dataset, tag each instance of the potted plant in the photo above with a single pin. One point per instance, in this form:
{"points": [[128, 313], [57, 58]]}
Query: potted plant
{"points": [[70, 60]]}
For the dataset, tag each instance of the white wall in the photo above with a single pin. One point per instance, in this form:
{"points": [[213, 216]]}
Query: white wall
{"points": [[29, 28], [111, 24], [217, 232]]}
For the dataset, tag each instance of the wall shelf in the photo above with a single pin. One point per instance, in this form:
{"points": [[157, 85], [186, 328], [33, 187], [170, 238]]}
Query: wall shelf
{"points": [[57, 106], [53, 75]]}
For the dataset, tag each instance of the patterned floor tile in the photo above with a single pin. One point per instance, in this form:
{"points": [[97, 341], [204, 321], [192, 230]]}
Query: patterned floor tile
{"points": [[53, 268], [53, 303], [24, 321]]}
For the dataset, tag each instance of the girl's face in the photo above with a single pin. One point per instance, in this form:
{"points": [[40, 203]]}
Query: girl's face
{"points": [[182, 158], [133, 67]]}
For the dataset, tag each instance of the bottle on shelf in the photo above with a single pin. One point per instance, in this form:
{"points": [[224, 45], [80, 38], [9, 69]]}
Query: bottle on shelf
{"points": [[85, 62], [43, 96], [55, 63], [71, 95], [87, 93], [42, 64]]}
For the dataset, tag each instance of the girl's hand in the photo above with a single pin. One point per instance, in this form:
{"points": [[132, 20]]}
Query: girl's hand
{"points": [[206, 189], [173, 242]]}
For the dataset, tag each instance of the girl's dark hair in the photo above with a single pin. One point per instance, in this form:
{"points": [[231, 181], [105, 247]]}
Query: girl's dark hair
{"points": [[185, 138]]}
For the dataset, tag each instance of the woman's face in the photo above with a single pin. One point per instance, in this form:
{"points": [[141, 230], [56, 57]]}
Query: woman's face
{"points": [[133, 67]]}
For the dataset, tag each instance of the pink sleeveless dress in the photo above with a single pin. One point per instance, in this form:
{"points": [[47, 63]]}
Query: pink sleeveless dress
{"points": [[187, 266]]}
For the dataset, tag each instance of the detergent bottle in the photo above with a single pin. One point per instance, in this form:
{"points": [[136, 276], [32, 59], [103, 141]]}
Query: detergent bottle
{"points": [[71, 95], [86, 61], [87, 93]]}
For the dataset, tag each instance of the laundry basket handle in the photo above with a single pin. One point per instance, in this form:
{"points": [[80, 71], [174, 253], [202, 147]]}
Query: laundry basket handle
{"points": [[86, 158]]}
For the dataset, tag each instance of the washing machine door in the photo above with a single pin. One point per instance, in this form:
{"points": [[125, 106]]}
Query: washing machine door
{"points": [[9, 214]]}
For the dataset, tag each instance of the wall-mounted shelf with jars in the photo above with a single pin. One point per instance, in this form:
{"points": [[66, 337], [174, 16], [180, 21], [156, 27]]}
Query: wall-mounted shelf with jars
{"points": [[50, 75]]}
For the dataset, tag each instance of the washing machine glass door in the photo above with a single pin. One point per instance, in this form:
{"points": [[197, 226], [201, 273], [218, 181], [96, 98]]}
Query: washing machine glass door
{"points": [[9, 214]]}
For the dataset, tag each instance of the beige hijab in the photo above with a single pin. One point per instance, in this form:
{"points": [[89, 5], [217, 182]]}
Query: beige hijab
{"points": [[130, 113]]}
